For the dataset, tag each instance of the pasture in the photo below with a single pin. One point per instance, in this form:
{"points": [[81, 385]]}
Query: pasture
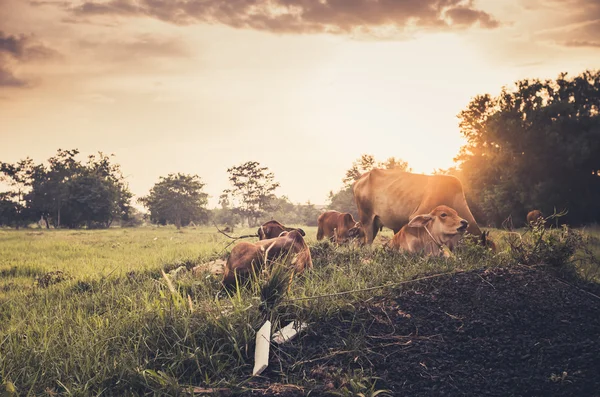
{"points": [[89, 313]]}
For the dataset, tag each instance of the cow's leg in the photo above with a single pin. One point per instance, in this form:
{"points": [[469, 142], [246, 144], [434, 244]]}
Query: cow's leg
{"points": [[369, 228], [377, 226]]}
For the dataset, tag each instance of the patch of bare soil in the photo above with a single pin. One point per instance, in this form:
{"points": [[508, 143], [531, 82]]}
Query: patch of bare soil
{"points": [[500, 332]]}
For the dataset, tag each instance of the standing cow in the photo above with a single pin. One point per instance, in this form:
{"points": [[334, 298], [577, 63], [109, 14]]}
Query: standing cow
{"points": [[392, 198]]}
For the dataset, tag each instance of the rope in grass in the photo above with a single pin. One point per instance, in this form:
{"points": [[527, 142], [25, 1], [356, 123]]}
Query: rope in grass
{"points": [[374, 288]]}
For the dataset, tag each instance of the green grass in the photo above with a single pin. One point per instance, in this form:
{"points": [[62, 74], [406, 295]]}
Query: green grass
{"points": [[112, 326]]}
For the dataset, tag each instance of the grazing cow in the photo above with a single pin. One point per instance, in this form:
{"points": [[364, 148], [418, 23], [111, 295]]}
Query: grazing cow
{"points": [[392, 198], [273, 229], [246, 256], [428, 233], [533, 216], [339, 227]]}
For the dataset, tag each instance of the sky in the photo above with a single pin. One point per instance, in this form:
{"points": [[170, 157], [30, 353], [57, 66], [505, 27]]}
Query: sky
{"points": [[304, 87]]}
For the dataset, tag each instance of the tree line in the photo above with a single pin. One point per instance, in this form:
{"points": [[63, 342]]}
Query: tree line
{"points": [[67, 193], [536, 145]]}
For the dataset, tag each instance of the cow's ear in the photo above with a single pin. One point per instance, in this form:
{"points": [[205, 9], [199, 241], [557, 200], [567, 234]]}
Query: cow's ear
{"points": [[348, 219], [420, 221]]}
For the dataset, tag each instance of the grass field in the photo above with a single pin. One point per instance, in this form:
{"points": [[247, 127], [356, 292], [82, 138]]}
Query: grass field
{"points": [[104, 322]]}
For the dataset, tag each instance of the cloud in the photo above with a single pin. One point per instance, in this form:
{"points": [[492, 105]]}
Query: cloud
{"points": [[301, 16], [18, 50], [8, 79], [577, 43], [577, 22], [583, 34]]}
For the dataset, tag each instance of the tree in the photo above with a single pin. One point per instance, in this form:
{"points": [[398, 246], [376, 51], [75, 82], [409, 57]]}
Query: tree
{"points": [[366, 163], [177, 199], [18, 177], [74, 194], [66, 191], [252, 191], [535, 146], [225, 215]]}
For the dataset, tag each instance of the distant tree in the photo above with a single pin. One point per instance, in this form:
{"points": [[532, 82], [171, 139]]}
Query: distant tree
{"points": [[308, 214], [343, 201], [252, 189], [535, 146], [225, 215], [177, 199], [74, 194], [9, 210], [18, 178], [68, 192], [367, 162], [133, 218], [284, 211]]}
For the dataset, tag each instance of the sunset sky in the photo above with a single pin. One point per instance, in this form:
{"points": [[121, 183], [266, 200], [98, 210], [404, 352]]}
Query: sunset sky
{"points": [[302, 86]]}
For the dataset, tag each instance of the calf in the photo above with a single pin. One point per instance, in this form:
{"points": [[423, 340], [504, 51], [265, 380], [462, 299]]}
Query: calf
{"points": [[428, 233], [273, 229], [534, 216], [339, 227], [246, 256]]}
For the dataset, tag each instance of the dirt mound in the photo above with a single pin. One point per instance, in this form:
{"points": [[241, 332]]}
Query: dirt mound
{"points": [[51, 278], [498, 332]]}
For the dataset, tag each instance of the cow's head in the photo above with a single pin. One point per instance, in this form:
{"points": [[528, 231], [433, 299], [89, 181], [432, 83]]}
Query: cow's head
{"points": [[356, 232], [443, 223]]}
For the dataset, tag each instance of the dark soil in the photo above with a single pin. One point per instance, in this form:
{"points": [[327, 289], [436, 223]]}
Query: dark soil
{"points": [[499, 332]]}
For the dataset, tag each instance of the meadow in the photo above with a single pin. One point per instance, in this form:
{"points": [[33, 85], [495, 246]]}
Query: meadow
{"points": [[89, 312]]}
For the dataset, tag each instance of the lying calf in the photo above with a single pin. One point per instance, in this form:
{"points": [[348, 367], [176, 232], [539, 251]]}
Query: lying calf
{"points": [[244, 256], [273, 229], [339, 227], [428, 233]]}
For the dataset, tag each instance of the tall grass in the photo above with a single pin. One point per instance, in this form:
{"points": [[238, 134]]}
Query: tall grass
{"points": [[116, 326]]}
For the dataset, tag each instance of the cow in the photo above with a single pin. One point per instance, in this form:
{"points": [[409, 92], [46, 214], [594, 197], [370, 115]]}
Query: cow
{"points": [[392, 198], [428, 233], [339, 227], [272, 229], [247, 256], [534, 216]]}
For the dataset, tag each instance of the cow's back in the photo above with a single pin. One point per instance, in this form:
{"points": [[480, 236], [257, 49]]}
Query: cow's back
{"points": [[395, 196]]}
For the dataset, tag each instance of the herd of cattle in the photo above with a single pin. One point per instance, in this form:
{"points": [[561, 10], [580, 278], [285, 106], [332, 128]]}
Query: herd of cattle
{"points": [[426, 213]]}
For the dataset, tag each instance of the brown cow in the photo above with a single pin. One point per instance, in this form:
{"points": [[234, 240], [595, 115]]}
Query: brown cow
{"points": [[428, 233], [533, 216], [273, 229], [339, 227], [244, 256], [392, 198]]}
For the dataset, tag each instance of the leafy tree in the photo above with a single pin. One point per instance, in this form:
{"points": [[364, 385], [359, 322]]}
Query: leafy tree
{"points": [[343, 201], [367, 162], [177, 199], [252, 192], [289, 213], [8, 210], [18, 178], [308, 214], [225, 215], [68, 192], [535, 146]]}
